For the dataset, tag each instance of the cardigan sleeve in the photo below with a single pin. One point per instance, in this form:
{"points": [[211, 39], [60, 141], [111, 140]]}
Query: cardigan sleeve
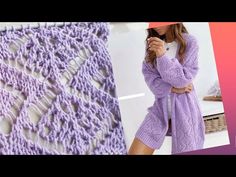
{"points": [[154, 81], [176, 74]]}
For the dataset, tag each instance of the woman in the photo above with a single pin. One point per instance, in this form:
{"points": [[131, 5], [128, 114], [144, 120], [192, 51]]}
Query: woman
{"points": [[169, 68]]}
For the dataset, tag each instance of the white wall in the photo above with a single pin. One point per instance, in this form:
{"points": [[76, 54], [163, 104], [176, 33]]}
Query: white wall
{"points": [[126, 46], [207, 72], [127, 41]]}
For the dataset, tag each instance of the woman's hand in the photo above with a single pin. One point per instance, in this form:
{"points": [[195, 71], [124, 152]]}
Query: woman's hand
{"points": [[186, 89], [156, 45]]}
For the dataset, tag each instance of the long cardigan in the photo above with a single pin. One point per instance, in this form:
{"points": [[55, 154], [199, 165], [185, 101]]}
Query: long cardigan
{"points": [[187, 125]]}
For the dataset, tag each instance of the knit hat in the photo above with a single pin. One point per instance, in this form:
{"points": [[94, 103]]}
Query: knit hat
{"points": [[157, 24]]}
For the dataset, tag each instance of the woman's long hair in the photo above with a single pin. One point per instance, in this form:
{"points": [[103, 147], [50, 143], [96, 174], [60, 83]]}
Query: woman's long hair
{"points": [[176, 31]]}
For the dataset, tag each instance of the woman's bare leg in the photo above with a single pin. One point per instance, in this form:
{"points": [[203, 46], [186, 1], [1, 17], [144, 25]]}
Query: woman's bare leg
{"points": [[138, 148]]}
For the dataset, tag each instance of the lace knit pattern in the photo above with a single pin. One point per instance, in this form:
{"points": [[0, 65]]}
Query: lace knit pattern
{"points": [[57, 91]]}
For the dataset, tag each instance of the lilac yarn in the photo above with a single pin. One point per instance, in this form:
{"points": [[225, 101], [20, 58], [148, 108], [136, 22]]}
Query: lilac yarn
{"points": [[62, 75]]}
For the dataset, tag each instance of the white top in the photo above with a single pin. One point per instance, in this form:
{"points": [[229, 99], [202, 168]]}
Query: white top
{"points": [[171, 50]]}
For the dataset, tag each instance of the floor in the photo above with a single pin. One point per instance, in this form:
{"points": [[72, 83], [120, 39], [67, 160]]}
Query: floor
{"points": [[212, 140]]}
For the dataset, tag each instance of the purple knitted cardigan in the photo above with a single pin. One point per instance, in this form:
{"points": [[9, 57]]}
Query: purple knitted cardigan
{"points": [[187, 129], [62, 76]]}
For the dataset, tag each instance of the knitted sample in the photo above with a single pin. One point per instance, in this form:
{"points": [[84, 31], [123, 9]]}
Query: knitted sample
{"points": [[57, 91]]}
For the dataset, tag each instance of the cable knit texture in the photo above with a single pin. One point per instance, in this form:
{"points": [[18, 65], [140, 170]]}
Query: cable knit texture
{"points": [[57, 91], [188, 130]]}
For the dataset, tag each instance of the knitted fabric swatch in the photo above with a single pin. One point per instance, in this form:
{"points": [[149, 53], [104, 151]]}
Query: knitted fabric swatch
{"points": [[57, 91]]}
